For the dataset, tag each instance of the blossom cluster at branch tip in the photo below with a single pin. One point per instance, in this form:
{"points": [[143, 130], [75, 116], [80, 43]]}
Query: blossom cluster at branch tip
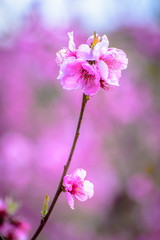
{"points": [[12, 228], [91, 65], [75, 185]]}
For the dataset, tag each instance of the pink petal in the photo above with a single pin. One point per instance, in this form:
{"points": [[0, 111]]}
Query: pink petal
{"points": [[91, 69], [81, 173], [116, 59], [105, 85], [105, 39], [74, 66], [101, 48], [84, 51], [103, 69], [84, 191], [81, 195], [2, 205], [91, 84], [70, 200], [71, 42], [63, 67], [113, 78], [70, 73], [90, 88], [68, 182], [70, 82], [61, 75], [60, 56], [70, 66], [88, 188]]}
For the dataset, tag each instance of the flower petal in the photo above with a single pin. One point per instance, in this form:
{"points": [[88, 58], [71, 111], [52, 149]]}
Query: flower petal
{"points": [[70, 200], [91, 69], [113, 78], [84, 51], [116, 59], [81, 195], [103, 69], [68, 182], [74, 66], [70, 66], [101, 48], [90, 88], [85, 191], [70, 82], [81, 173], [70, 73], [90, 84], [105, 39], [89, 188], [71, 44]]}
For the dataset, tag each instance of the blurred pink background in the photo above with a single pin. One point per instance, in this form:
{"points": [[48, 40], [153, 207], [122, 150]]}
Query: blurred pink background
{"points": [[119, 143]]}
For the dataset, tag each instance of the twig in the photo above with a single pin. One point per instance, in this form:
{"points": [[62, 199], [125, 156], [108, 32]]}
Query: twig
{"points": [[60, 189]]}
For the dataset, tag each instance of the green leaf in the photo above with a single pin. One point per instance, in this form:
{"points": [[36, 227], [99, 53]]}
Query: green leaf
{"points": [[45, 206]]}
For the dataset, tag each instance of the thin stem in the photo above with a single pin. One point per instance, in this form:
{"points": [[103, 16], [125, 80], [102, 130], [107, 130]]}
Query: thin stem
{"points": [[60, 189]]}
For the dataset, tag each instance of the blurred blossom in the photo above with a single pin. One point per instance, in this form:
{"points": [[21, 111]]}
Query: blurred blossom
{"points": [[149, 236], [151, 212], [140, 187], [129, 99], [16, 156], [15, 230], [152, 34], [10, 227]]}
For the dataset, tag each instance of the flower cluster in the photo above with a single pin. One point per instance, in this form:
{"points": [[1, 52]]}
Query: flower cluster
{"points": [[75, 185], [11, 228], [91, 66]]}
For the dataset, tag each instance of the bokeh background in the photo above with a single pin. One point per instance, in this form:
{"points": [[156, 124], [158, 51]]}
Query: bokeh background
{"points": [[119, 143]]}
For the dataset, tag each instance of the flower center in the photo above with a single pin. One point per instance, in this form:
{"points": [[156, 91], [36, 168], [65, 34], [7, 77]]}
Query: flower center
{"points": [[91, 62], [76, 188], [86, 75]]}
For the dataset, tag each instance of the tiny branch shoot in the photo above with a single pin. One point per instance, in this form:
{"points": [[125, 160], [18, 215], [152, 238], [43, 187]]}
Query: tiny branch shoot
{"points": [[45, 206]]}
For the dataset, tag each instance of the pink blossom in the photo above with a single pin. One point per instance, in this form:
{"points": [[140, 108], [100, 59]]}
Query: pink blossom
{"points": [[3, 210], [65, 53], [91, 66], [75, 185], [10, 227], [2, 206], [115, 60], [110, 61], [15, 230], [78, 73]]}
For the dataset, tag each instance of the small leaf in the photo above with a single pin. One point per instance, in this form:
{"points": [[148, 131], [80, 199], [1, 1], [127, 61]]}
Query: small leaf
{"points": [[45, 206], [12, 206]]}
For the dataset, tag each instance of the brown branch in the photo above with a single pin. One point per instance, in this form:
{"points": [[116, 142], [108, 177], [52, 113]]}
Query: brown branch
{"points": [[59, 189]]}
